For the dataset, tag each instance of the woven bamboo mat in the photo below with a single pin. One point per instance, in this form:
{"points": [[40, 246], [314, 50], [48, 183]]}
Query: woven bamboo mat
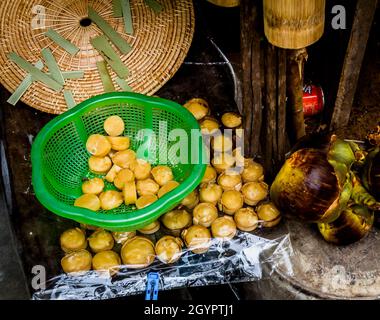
{"points": [[160, 43]]}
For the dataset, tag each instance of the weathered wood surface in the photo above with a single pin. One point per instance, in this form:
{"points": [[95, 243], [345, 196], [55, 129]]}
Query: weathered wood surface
{"points": [[281, 106], [365, 11], [264, 91], [274, 133], [252, 75], [270, 108]]}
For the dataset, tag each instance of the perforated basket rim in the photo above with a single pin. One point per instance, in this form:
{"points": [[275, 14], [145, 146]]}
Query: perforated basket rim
{"points": [[116, 222]]}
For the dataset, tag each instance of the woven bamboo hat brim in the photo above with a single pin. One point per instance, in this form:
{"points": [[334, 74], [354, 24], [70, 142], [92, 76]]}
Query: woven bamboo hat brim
{"points": [[160, 43]]}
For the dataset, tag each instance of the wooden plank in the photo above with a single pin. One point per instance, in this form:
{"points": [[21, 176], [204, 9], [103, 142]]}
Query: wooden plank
{"points": [[246, 39], [62, 42], [270, 138], [101, 44], [51, 63], [111, 34], [252, 75], [364, 15], [281, 106], [105, 76], [37, 74]]}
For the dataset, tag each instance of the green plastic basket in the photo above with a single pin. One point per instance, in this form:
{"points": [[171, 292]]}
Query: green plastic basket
{"points": [[60, 159]]}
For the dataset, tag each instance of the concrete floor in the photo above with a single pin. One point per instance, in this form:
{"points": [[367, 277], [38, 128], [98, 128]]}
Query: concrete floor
{"points": [[13, 283]]}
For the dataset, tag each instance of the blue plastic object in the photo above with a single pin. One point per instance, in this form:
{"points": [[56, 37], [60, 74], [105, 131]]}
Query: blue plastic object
{"points": [[152, 286]]}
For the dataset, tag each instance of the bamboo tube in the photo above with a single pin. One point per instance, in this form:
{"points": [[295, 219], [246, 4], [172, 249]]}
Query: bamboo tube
{"points": [[293, 24]]}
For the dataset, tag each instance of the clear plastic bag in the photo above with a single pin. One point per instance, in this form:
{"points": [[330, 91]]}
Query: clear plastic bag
{"points": [[246, 257]]}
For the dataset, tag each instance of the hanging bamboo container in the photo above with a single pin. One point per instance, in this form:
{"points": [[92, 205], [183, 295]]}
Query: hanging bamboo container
{"points": [[293, 24], [225, 3]]}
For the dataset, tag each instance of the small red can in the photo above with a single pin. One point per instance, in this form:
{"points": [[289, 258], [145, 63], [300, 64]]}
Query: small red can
{"points": [[313, 100]]}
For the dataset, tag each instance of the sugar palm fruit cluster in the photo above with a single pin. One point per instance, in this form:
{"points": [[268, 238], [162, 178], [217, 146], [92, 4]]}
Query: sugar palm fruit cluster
{"points": [[371, 168], [319, 184]]}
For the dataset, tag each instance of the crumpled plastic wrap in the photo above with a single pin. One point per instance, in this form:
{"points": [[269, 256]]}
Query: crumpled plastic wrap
{"points": [[246, 257]]}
